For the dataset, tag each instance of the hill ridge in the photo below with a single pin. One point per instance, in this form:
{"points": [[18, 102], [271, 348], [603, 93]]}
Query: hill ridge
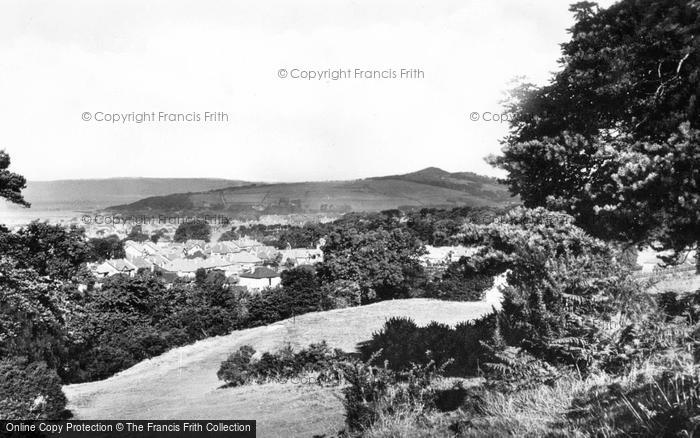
{"points": [[431, 186]]}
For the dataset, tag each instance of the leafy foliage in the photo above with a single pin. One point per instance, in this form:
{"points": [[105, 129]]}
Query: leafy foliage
{"points": [[195, 230], [136, 234], [302, 289], [566, 295], [401, 343], [158, 234], [439, 227], [686, 307], [299, 293], [459, 282], [376, 391], [51, 250], [30, 391], [243, 368], [131, 319], [103, 248], [229, 235], [31, 315], [306, 236], [510, 369], [562, 283], [340, 294], [667, 404], [382, 262], [11, 184], [613, 140]]}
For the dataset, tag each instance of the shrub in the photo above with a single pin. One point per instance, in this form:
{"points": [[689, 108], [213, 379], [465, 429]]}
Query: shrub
{"points": [[511, 369], [667, 404], [459, 283], [235, 370], [241, 368], [564, 286], [340, 294], [687, 306], [373, 392], [401, 343], [30, 391]]}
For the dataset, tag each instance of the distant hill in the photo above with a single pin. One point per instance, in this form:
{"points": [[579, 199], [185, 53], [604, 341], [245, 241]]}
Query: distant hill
{"points": [[89, 194], [431, 187]]}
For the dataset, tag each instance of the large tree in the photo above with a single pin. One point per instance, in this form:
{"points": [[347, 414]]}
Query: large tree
{"points": [[614, 138], [384, 263], [198, 230], [102, 248], [11, 184], [51, 250], [32, 309]]}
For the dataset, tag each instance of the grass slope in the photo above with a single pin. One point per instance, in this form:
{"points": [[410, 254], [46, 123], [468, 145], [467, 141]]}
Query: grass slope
{"points": [[182, 383]]}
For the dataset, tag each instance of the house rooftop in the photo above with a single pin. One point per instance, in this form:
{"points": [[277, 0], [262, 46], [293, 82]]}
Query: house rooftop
{"points": [[260, 273], [243, 257], [121, 265], [140, 262], [301, 252], [191, 265], [224, 247], [246, 242], [191, 243]]}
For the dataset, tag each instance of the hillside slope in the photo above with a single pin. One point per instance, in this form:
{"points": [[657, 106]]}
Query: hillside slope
{"points": [[429, 187], [182, 383]]}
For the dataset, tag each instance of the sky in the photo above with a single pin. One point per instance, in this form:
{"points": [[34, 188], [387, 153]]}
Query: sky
{"points": [[66, 67]]}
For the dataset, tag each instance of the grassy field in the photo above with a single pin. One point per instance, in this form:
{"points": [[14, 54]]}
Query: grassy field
{"points": [[182, 383], [680, 283]]}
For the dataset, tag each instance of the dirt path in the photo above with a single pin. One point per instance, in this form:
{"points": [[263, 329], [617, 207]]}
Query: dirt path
{"points": [[182, 384]]}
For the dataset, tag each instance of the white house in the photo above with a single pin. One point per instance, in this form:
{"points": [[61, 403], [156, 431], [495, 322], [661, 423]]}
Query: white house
{"points": [[194, 246], [157, 259], [247, 243], [150, 248], [188, 267], [245, 260], [114, 267], [267, 253], [438, 255], [263, 277], [141, 263], [301, 256], [134, 249], [223, 248]]}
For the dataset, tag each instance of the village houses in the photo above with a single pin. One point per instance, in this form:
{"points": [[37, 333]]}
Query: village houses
{"points": [[247, 261]]}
